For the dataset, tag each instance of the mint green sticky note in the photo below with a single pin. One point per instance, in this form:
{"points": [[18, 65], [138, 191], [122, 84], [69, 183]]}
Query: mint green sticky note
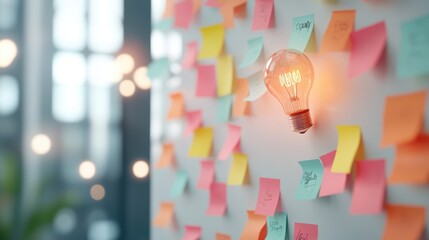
{"points": [[413, 58], [158, 68], [277, 227], [302, 28], [179, 184], [254, 50], [223, 108], [164, 25], [311, 179]]}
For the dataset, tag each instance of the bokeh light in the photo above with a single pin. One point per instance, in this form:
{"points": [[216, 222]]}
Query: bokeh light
{"points": [[141, 79], [140, 169], [8, 52], [41, 144], [127, 88], [97, 192], [125, 63], [87, 169]]}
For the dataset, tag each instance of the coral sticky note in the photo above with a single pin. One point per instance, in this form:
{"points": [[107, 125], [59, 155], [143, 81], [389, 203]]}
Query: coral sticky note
{"points": [[277, 227], [232, 142], [158, 68], [403, 118], [255, 228], [179, 184], [336, 37], [368, 45], [238, 170], [349, 138], [263, 15], [312, 174], [268, 197], [177, 106], [165, 215], [404, 222], [228, 11], [239, 107], [302, 29], [207, 174], [169, 9], [370, 187], [254, 49], [167, 156], [305, 231], [183, 13], [223, 108], [206, 81], [192, 233], [194, 120], [212, 41], [217, 205], [221, 236], [225, 75], [257, 87], [332, 183], [202, 143], [191, 54]]}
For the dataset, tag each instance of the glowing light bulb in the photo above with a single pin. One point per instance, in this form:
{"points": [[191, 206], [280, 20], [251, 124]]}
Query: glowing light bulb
{"points": [[289, 77]]}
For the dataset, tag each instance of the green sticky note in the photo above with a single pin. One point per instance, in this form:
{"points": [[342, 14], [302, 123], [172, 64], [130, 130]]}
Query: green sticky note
{"points": [[311, 179], [179, 184], [413, 58], [224, 108], [302, 28], [164, 25], [277, 227], [254, 50], [158, 68]]}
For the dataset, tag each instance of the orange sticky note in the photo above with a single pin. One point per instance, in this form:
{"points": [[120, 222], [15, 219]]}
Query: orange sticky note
{"points": [[202, 143], [404, 222], [165, 215], [183, 14], [412, 162], [228, 11], [177, 106], [167, 156], [207, 174], [221, 236], [190, 57], [206, 81], [169, 8], [196, 6], [232, 142], [263, 15], [403, 118], [194, 121], [217, 205], [268, 197], [213, 37], [349, 138], [240, 105], [256, 227], [192, 233], [336, 37], [332, 183]]}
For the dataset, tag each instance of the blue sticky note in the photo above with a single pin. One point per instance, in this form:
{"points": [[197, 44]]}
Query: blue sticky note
{"points": [[224, 108], [302, 28], [164, 25], [179, 184], [413, 58], [277, 227], [158, 68], [311, 179], [254, 50]]}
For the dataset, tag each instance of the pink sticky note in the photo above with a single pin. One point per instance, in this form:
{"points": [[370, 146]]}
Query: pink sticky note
{"points": [[305, 231], [207, 174], [194, 120], [263, 14], [368, 45], [212, 3], [190, 57], [183, 14], [192, 233], [268, 197], [332, 183], [370, 187], [232, 142], [206, 81], [217, 205]]}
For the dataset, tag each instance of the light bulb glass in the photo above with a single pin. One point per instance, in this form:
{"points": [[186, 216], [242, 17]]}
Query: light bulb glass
{"points": [[289, 76]]}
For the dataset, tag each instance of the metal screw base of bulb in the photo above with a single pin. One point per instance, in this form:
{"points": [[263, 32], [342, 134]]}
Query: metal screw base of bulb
{"points": [[300, 121]]}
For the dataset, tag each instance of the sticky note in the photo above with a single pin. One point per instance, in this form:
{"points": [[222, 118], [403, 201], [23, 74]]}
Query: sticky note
{"points": [[177, 106], [238, 170], [255, 228], [254, 49], [217, 205], [165, 215], [221, 236], [263, 15], [196, 6], [207, 174], [179, 184], [232, 142], [223, 108], [239, 107], [192, 233], [212, 41], [403, 118], [206, 81], [167, 156], [183, 13], [257, 87], [404, 222], [194, 120], [336, 37], [169, 9], [164, 24], [225, 75], [348, 145], [191, 54], [268, 197], [332, 183], [312, 175], [369, 188], [302, 28], [158, 68], [413, 59], [202, 143], [212, 3], [277, 227], [228, 11], [305, 231], [411, 164]]}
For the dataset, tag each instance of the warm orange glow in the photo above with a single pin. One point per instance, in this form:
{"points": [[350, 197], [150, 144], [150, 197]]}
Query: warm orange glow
{"points": [[97, 192], [87, 170], [41, 144], [8, 52], [127, 88], [140, 169], [141, 79], [125, 63]]}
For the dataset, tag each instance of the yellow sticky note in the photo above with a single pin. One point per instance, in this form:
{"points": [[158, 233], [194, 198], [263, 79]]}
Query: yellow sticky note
{"points": [[212, 41], [348, 145], [238, 169], [224, 68], [202, 143]]}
